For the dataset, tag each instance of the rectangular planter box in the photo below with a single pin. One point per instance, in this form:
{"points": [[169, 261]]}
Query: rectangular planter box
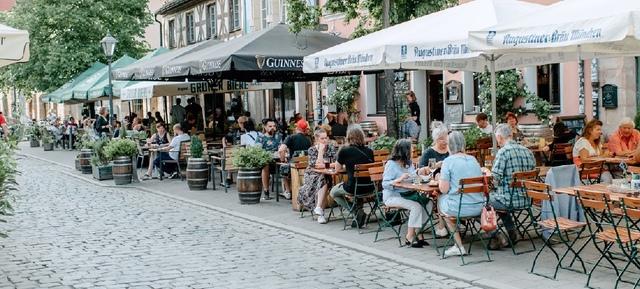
{"points": [[102, 173]]}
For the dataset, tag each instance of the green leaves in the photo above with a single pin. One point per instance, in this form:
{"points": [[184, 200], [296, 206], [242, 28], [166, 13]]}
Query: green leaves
{"points": [[302, 16], [251, 157], [8, 183], [383, 142], [472, 135], [196, 147], [99, 152], [120, 148], [65, 37], [345, 94]]}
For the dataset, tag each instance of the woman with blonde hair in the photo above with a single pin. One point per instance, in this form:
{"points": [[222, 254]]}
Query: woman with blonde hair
{"points": [[313, 192]]}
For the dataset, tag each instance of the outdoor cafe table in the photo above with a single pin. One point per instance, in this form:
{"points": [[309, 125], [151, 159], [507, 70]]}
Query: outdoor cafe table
{"points": [[593, 188], [615, 160], [423, 188]]}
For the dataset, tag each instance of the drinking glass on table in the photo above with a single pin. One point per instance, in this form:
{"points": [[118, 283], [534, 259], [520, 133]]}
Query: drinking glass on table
{"points": [[432, 164]]}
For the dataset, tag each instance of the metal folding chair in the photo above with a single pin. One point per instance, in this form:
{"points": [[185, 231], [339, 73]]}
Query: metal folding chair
{"points": [[364, 193], [560, 227], [387, 216], [628, 237], [470, 186], [522, 225]]}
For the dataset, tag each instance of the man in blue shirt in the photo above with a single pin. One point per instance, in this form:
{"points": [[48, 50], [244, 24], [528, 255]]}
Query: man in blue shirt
{"points": [[270, 141]]}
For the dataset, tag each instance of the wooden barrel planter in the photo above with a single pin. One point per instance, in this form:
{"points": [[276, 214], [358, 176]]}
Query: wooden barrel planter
{"points": [[34, 143], [249, 185], [197, 174], [536, 130], [122, 169], [461, 127], [85, 161], [102, 173], [47, 146], [369, 127]]}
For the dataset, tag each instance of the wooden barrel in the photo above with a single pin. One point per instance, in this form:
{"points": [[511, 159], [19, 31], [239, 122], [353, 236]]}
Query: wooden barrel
{"points": [[78, 163], [122, 170], [34, 143], [85, 161], [249, 186], [369, 127], [197, 174], [536, 130], [47, 146]]}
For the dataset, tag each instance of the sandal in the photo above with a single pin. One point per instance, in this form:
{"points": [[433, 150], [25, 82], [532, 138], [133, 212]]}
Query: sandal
{"points": [[414, 244]]}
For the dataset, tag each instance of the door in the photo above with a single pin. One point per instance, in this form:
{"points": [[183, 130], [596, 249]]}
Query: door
{"points": [[435, 99]]}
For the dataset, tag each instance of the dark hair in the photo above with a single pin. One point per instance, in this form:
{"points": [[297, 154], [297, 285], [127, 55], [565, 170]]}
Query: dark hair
{"points": [[509, 115], [588, 129], [161, 124], [412, 95], [249, 125], [267, 120], [559, 128], [481, 116], [402, 152]]}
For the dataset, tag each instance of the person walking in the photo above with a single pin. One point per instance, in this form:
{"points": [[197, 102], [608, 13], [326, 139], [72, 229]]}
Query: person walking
{"points": [[177, 112]]}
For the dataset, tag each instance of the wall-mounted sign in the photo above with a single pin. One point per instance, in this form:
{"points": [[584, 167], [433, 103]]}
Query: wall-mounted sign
{"points": [[454, 92], [610, 96]]}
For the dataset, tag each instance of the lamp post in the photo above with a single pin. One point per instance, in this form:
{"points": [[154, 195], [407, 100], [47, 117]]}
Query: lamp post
{"points": [[109, 47]]}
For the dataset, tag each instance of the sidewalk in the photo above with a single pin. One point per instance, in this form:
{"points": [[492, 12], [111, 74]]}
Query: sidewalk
{"points": [[506, 271]]}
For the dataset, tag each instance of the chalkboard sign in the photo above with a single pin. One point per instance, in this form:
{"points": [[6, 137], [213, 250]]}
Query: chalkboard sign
{"points": [[453, 113], [610, 96]]}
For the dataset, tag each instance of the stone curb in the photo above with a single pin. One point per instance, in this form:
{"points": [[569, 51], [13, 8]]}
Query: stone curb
{"points": [[447, 272]]}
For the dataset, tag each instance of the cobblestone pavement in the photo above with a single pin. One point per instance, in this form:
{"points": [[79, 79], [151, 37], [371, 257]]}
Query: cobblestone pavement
{"points": [[68, 233]]}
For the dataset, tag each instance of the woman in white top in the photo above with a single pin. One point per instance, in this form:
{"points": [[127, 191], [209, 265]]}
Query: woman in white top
{"points": [[251, 135], [588, 146]]}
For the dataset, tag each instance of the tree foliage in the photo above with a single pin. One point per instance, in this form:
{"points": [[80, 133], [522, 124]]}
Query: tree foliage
{"points": [[369, 13], [65, 37]]}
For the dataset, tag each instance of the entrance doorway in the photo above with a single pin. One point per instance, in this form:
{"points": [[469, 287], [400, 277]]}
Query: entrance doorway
{"points": [[435, 99]]}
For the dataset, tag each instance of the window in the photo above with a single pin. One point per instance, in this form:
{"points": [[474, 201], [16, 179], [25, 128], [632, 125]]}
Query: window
{"points": [[191, 31], [381, 97], [172, 33], [235, 14], [549, 84], [212, 30]]}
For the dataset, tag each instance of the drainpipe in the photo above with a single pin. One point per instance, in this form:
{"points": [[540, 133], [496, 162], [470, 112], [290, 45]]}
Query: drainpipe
{"points": [[595, 88], [155, 17]]}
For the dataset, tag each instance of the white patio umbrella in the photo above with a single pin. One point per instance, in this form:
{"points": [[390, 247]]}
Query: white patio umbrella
{"points": [[14, 45], [435, 41], [586, 28]]}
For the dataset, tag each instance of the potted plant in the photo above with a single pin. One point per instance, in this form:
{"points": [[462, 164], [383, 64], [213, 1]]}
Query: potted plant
{"points": [[197, 169], [35, 135], [121, 152], [47, 139], [100, 165], [383, 142], [471, 137], [249, 161]]}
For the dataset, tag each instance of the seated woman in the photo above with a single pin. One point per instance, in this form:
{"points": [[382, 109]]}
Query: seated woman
{"points": [[314, 188], [136, 125], [454, 168], [588, 146], [159, 139], [438, 150], [512, 120], [397, 170]]}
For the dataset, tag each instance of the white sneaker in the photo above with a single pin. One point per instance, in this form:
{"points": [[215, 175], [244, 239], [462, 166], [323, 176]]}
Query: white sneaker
{"points": [[455, 251], [442, 232], [318, 211], [322, 219]]}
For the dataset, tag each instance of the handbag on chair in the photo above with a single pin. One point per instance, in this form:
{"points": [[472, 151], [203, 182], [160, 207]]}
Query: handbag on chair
{"points": [[488, 217]]}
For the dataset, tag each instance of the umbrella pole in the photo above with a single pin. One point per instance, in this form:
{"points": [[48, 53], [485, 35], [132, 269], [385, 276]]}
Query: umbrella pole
{"points": [[493, 98]]}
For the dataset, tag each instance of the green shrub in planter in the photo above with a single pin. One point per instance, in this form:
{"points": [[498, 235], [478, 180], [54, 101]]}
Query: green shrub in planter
{"points": [[47, 137], [99, 157], [472, 135], [251, 158], [120, 148], [383, 142], [196, 147]]}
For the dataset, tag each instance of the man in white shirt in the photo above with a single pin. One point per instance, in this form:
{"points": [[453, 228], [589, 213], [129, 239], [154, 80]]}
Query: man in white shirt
{"points": [[483, 123], [172, 151]]}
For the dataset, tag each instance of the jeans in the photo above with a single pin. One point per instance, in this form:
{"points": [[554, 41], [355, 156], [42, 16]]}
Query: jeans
{"points": [[337, 193], [162, 156], [505, 217]]}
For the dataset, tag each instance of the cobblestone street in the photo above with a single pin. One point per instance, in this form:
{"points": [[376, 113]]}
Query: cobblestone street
{"points": [[68, 233]]}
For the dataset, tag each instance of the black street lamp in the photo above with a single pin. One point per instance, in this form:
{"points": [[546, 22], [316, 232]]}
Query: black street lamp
{"points": [[109, 47]]}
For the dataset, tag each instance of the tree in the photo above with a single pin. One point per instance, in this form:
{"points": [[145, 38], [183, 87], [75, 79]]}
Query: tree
{"points": [[65, 38], [369, 14]]}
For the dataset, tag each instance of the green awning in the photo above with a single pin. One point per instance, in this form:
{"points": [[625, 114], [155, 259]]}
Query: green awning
{"points": [[58, 95], [97, 85]]}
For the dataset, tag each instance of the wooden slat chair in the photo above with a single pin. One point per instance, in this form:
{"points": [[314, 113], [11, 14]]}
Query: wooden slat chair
{"points": [[559, 226], [517, 214], [181, 161], [560, 154], [628, 236], [600, 222], [387, 216], [224, 165], [380, 155], [590, 172], [484, 145], [364, 193], [470, 186]]}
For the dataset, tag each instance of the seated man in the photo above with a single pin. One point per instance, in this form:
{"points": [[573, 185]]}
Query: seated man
{"points": [[172, 151], [293, 144], [624, 141], [354, 153], [270, 141], [483, 123], [511, 158]]}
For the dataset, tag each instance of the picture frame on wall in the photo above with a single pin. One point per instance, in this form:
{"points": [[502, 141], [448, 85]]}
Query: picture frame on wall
{"points": [[453, 92]]}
